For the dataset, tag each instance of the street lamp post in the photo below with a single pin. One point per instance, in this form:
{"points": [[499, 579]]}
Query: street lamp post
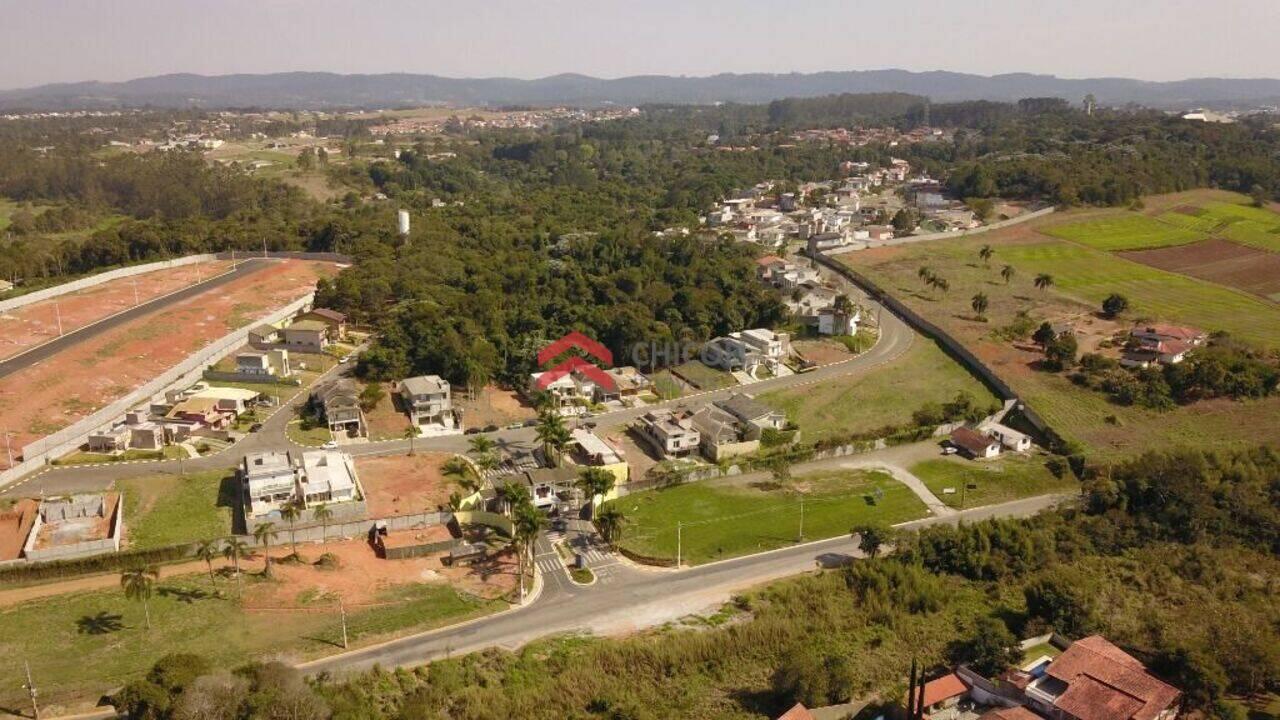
{"points": [[8, 448]]}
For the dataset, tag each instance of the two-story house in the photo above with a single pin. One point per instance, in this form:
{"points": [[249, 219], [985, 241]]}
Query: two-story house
{"points": [[427, 400], [671, 434]]}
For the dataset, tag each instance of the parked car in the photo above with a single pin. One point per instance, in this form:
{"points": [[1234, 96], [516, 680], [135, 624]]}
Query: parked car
{"points": [[533, 422], [491, 428], [331, 445], [255, 427], [471, 431]]}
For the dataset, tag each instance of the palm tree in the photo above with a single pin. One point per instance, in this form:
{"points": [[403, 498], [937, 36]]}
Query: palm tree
{"points": [[322, 513], [481, 444], [985, 252], [234, 548], [595, 481], [290, 512], [610, 522], [264, 534], [1007, 273], [207, 550], [410, 433], [486, 462], [924, 273], [1044, 281], [138, 584], [979, 304], [553, 435], [842, 304], [527, 524]]}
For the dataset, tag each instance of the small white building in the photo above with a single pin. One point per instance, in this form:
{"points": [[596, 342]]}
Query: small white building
{"points": [[1009, 438]]}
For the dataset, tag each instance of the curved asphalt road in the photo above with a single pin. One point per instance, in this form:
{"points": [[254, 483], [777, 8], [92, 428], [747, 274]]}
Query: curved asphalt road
{"points": [[49, 349]]}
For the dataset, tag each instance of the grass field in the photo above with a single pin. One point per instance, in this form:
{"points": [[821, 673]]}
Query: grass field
{"points": [[164, 509], [726, 517], [1092, 275], [1129, 231], [89, 643], [888, 394], [169, 452], [987, 483], [704, 377]]}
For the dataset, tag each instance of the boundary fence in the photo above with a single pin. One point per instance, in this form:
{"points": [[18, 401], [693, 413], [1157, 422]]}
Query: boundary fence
{"points": [[100, 278]]}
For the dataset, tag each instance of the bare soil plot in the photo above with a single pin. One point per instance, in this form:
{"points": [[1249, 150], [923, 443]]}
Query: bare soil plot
{"points": [[362, 578], [57, 392], [1219, 261], [822, 352], [37, 323], [387, 421], [493, 406], [402, 484]]}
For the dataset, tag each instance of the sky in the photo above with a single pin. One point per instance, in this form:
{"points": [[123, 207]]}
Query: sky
{"points": [[44, 41]]}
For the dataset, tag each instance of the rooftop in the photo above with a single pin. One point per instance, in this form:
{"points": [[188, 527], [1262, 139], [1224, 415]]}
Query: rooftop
{"points": [[1106, 683], [312, 325], [971, 440], [744, 407], [327, 471], [425, 385], [944, 688]]}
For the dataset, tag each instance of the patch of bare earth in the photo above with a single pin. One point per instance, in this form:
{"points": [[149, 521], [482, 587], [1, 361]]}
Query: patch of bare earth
{"points": [[1219, 261], [492, 406], [404, 484]]}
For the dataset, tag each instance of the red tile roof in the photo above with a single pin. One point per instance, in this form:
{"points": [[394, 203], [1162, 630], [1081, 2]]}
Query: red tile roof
{"points": [[1106, 683], [797, 712], [769, 260], [944, 688], [1017, 712], [971, 440], [1176, 332]]}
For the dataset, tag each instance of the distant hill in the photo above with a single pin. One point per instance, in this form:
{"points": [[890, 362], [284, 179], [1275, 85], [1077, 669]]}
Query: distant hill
{"points": [[317, 90]]}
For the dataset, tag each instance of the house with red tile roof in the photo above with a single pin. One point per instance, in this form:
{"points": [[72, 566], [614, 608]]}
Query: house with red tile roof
{"points": [[1164, 344], [1017, 712], [1095, 680], [975, 444]]}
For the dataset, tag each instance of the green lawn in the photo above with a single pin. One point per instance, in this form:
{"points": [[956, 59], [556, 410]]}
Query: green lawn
{"points": [[1092, 275], [310, 435], [886, 395], [726, 518], [1129, 231], [1247, 225], [90, 643], [989, 482], [164, 509], [704, 377], [169, 452]]}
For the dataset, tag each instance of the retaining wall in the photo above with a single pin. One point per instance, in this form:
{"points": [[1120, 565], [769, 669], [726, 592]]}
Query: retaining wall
{"points": [[88, 282], [36, 454]]}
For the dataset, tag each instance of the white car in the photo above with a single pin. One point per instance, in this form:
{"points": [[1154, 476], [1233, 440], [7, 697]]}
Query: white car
{"points": [[331, 445]]}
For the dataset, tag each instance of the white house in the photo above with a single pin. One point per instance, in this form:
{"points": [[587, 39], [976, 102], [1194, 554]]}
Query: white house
{"points": [[671, 434], [1011, 439], [834, 322]]}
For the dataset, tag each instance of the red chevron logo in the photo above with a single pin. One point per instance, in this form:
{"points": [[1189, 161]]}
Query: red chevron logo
{"points": [[572, 340], [574, 363]]}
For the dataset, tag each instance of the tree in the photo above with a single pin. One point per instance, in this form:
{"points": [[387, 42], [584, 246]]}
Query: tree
{"points": [[1062, 599], [979, 304], [526, 525], [982, 207], [290, 513], [595, 481], [1043, 281], [371, 395], [1114, 304], [991, 649], [871, 538], [306, 159], [842, 304], [138, 584], [553, 435], [1060, 353], [924, 273], [480, 444], [1089, 103], [1044, 335], [207, 550], [610, 521], [809, 676], [904, 222], [486, 463], [1259, 196], [264, 534], [322, 513], [409, 434], [233, 548], [1007, 272], [985, 252]]}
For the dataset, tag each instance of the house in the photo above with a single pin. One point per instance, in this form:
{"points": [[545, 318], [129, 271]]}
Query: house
{"points": [[765, 342], [334, 320], [837, 322], [339, 402], [310, 336], [263, 364], [810, 299], [328, 476], [1011, 439], [1017, 712], [428, 401], [146, 436], [975, 444], [590, 450], [111, 440], [756, 416], [1095, 680], [229, 400], [628, 382], [671, 434], [768, 266], [196, 414], [75, 526], [721, 435], [264, 336], [1163, 344], [546, 485], [572, 389], [269, 480], [943, 693]]}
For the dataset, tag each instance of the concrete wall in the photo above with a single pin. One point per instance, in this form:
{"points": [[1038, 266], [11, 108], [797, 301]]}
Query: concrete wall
{"points": [[36, 454], [88, 282], [864, 244], [111, 543]]}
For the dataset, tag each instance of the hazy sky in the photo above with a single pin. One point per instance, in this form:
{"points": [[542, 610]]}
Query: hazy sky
{"points": [[68, 40]]}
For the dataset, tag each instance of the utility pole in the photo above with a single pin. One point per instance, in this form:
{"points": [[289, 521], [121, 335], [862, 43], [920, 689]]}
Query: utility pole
{"points": [[31, 691], [8, 448], [679, 541], [801, 538], [135, 291], [264, 246], [58, 312], [342, 608]]}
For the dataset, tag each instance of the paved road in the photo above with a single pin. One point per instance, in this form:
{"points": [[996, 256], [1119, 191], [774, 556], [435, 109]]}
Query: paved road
{"points": [[896, 338], [57, 345], [634, 598]]}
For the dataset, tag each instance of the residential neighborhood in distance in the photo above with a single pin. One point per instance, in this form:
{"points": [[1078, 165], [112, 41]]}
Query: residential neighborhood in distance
{"points": [[617, 363]]}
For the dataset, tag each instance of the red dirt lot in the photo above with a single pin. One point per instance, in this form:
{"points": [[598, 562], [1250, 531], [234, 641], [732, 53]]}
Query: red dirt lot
{"points": [[361, 576], [403, 484], [1220, 261], [55, 393], [37, 323]]}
